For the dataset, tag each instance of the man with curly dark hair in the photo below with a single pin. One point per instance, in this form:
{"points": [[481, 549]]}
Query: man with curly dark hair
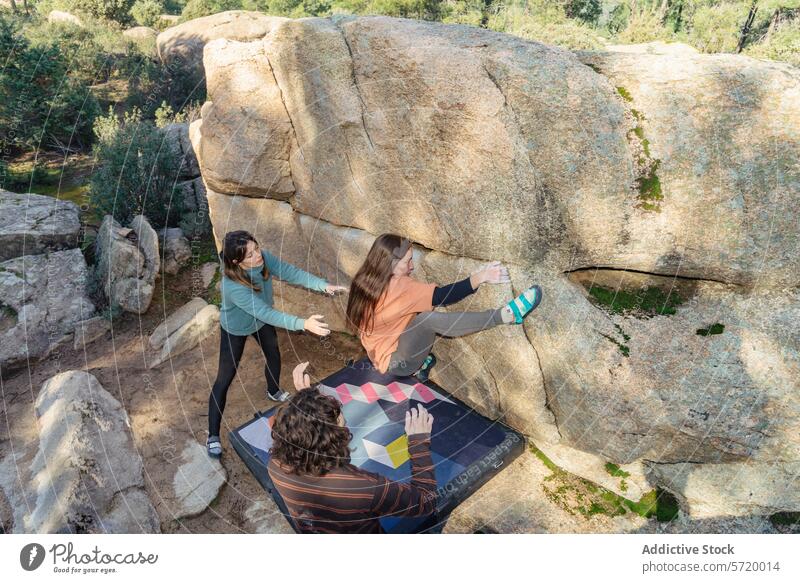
{"points": [[310, 466]]}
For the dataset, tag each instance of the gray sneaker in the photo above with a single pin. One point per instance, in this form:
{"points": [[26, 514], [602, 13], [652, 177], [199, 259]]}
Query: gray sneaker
{"points": [[281, 397]]}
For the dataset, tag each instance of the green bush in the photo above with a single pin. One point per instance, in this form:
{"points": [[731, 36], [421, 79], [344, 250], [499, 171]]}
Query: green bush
{"points": [[781, 45], [466, 12], [716, 28], [43, 104], [545, 22], [90, 51], [642, 26], [586, 10], [136, 171], [147, 12], [116, 10], [198, 8]]}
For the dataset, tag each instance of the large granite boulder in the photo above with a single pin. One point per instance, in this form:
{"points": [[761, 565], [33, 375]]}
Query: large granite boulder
{"points": [[87, 475], [183, 44], [33, 223], [42, 299], [650, 192]]}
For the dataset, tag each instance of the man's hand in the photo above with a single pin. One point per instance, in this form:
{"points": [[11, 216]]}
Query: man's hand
{"points": [[418, 421], [332, 290], [301, 378], [494, 272]]}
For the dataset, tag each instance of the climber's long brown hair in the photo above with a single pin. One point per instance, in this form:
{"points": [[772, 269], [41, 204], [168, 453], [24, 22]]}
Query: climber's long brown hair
{"points": [[234, 248], [372, 279]]}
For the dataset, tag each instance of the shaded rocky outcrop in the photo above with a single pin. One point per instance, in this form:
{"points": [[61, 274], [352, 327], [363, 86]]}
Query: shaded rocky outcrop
{"points": [[86, 476], [176, 249], [42, 298], [33, 223], [652, 193], [194, 221]]}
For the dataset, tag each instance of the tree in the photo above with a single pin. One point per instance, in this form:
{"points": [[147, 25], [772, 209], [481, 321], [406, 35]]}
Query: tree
{"points": [[748, 23], [42, 105]]}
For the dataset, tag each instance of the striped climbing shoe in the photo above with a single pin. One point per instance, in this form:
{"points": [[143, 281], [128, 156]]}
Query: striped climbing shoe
{"points": [[525, 303]]}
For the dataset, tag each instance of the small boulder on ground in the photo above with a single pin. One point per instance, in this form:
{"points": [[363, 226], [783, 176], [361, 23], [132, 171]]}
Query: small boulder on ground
{"points": [[87, 473], [197, 481], [191, 324], [175, 320]]}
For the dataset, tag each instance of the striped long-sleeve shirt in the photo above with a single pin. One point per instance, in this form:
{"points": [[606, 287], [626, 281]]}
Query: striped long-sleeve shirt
{"points": [[351, 500]]}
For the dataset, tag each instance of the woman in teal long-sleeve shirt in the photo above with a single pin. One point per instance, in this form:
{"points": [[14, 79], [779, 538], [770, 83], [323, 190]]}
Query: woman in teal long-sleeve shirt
{"points": [[247, 311]]}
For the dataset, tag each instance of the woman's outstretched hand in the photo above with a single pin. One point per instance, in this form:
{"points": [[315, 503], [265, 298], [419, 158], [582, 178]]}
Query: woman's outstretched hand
{"points": [[494, 272], [332, 290], [316, 325], [301, 378]]}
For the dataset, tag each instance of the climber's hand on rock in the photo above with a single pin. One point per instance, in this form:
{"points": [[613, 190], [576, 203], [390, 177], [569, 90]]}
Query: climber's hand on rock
{"points": [[494, 272], [316, 325], [332, 290]]}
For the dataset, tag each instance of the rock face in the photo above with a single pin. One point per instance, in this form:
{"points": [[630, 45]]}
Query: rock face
{"points": [[33, 223], [184, 42], [42, 298], [87, 475], [627, 184], [127, 263]]}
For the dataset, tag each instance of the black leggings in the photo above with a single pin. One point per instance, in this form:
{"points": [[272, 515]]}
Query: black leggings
{"points": [[231, 348]]}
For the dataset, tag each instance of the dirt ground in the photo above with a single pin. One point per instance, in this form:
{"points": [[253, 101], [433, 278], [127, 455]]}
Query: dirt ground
{"points": [[168, 405]]}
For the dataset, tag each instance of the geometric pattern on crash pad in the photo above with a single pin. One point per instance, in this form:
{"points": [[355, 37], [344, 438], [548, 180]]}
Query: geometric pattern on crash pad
{"points": [[387, 445], [394, 392], [466, 447]]}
